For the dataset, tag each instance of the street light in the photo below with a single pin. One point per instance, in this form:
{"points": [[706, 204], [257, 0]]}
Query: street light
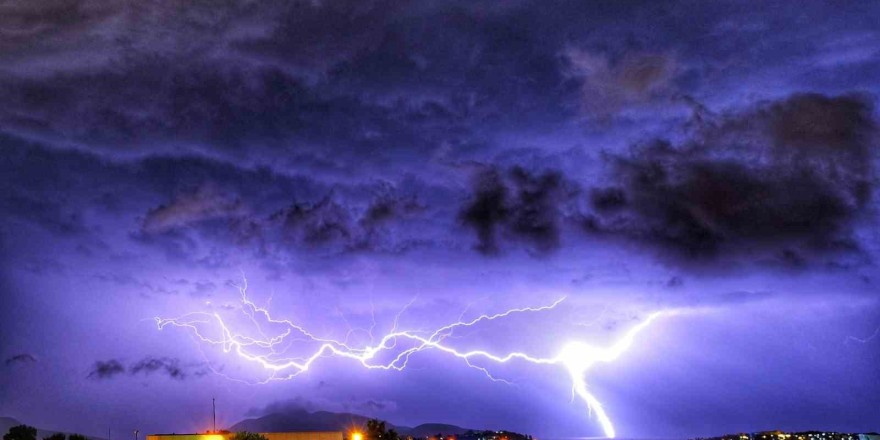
{"points": [[354, 436]]}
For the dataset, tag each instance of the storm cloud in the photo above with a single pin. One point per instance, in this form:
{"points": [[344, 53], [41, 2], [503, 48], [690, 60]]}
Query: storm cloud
{"points": [[171, 367], [349, 156], [788, 179], [610, 85], [168, 366], [203, 204], [517, 205], [21, 358], [106, 369]]}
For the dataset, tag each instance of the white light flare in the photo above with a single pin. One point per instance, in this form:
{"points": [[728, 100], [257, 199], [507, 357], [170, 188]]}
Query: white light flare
{"points": [[577, 357]]}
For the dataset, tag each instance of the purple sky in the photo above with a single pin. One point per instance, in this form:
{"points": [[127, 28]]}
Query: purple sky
{"points": [[713, 158]]}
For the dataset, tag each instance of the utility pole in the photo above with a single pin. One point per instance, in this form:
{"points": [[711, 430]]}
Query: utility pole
{"points": [[214, 412]]}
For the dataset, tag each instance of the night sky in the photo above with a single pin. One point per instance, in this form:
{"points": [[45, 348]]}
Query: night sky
{"points": [[378, 165]]}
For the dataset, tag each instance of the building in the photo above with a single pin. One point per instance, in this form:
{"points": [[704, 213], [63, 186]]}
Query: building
{"points": [[301, 435], [805, 435]]}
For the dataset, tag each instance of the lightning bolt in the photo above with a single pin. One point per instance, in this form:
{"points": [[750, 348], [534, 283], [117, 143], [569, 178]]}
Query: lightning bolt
{"points": [[269, 351], [863, 340]]}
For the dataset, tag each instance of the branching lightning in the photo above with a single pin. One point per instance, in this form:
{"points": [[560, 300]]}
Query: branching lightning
{"points": [[864, 340], [269, 351]]}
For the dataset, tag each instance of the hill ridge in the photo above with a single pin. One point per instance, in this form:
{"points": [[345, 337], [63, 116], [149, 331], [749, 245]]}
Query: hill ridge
{"points": [[304, 420]]}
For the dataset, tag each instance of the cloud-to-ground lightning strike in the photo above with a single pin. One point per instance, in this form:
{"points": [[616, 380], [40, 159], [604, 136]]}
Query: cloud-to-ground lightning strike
{"points": [[576, 357]]}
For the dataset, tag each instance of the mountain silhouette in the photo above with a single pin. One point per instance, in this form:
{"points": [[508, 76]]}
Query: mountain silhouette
{"points": [[302, 420], [8, 422]]}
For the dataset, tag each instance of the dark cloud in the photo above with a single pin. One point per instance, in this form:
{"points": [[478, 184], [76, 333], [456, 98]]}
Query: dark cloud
{"points": [[297, 404], [182, 103], [22, 358], [43, 266], [146, 288], [301, 406], [843, 124], [214, 108], [106, 369], [334, 224], [33, 187], [47, 213], [207, 202], [371, 406], [152, 149], [517, 204], [487, 210], [608, 199], [316, 37], [389, 206], [46, 27], [380, 405], [168, 366], [316, 224], [342, 84], [264, 96], [171, 367], [675, 282], [335, 87], [787, 179], [203, 288], [331, 223]]}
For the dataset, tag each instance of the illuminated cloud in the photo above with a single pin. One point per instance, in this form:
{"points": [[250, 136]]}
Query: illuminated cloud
{"points": [[608, 86], [206, 203]]}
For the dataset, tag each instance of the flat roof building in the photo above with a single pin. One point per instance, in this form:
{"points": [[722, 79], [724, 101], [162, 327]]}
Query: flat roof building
{"points": [[298, 435]]}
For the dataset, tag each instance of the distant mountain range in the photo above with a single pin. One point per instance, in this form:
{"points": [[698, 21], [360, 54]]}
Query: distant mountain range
{"points": [[295, 420], [8, 422], [302, 420]]}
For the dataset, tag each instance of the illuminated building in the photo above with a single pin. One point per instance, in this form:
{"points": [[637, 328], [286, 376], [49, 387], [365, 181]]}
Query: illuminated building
{"points": [[806, 435], [301, 435]]}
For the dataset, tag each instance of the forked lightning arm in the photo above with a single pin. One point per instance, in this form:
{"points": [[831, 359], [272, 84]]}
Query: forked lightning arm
{"points": [[576, 357]]}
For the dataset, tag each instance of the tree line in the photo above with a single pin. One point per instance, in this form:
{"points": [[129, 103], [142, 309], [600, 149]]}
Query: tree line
{"points": [[25, 432]]}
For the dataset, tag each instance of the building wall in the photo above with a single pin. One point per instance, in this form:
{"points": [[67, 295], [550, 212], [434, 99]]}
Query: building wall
{"points": [[186, 437], [313, 435], [304, 435]]}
